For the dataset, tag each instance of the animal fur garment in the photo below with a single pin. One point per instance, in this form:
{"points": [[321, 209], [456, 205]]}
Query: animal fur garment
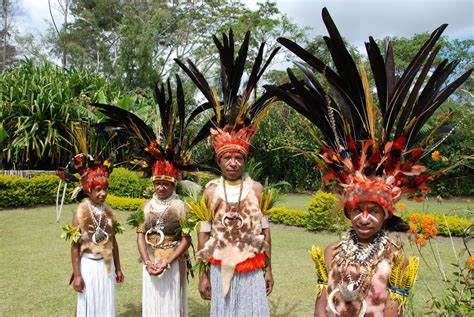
{"points": [[86, 224], [235, 242]]}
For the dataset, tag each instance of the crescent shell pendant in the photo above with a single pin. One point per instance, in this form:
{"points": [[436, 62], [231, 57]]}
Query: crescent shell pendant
{"points": [[160, 241], [332, 307], [100, 235], [239, 218]]}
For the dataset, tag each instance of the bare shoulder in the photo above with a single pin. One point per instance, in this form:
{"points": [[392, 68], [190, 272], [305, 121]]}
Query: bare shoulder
{"points": [[257, 187], [209, 191]]}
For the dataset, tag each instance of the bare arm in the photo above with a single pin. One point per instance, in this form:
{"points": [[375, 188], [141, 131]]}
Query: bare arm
{"points": [[392, 309], [204, 279], [77, 280], [320, 304], [118, 269], [268, 261], [258, 188], [142, 249]]}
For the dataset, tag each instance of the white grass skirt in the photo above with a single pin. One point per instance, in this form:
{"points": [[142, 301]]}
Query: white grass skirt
{"points": [[98, 296], [165, 295]]}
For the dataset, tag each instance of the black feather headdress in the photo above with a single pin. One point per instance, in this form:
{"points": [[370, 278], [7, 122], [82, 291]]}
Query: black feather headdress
{"points": [[165, 151], [236, 111], [366, 158]]}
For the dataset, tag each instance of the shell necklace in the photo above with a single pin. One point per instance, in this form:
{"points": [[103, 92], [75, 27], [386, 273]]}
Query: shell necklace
{"points": [[364, 256], [100, 236], [232, 211], [161, 205]]}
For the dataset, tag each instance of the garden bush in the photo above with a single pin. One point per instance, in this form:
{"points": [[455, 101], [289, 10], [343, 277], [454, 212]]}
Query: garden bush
{"points": [[290, 217], [321, 213], [24, 192], [456, 224], [125, 203], [125, 183]]}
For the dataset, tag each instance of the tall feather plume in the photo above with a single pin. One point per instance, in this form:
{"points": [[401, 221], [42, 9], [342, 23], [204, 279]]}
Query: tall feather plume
{"points": [[172, 140], [235, 109], [344, 110], [368, 102]]}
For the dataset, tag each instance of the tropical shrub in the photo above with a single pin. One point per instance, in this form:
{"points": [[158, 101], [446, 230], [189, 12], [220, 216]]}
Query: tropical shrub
{"points": [[290, 217], [40, 105], [23, 192], [125, 183], [322, 215], [125, 203]]}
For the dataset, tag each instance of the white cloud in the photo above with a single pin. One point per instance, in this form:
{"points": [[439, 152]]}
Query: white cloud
{"points": [[357, 19], [33, 16]]}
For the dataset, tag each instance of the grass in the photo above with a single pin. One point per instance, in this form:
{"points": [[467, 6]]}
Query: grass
{"points": [[35, 268]]}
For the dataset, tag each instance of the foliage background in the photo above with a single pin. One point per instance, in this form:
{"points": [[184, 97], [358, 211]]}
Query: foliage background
{"points": [[112, 51]]}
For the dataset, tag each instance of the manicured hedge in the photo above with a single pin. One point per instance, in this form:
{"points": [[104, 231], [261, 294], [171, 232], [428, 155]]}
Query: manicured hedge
{"points": [[290, 217], [323, 214], [125, 183], [125, 203], [24, 192]]}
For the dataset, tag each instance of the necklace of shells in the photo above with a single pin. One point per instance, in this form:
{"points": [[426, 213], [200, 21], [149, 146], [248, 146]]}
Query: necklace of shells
{"points": [[365, 258], [231, 211], [100, 236], [157, 204]]}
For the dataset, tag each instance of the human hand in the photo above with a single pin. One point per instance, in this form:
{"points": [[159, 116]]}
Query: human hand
{"points": [[78, 283], [152, 269], [205, 286], [119, 277], [269, 281]]}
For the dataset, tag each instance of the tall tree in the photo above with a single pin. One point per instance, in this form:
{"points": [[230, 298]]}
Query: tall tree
{"points": [[8, 51], [63, 8], [134, 42]]}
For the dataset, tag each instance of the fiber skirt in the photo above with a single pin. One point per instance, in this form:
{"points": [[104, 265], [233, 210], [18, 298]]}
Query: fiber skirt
{"points": [[98, 296], [246, 297], [165, 295]]}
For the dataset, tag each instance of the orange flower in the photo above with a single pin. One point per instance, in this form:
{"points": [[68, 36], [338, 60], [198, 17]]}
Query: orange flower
{"points": [[414, 217], [420, 240], [470, 262], [422, 228], [402, 206], [436, 155]]}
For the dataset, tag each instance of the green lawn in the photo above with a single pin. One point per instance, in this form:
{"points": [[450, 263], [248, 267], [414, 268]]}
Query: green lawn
{"points": [[35, 268]]}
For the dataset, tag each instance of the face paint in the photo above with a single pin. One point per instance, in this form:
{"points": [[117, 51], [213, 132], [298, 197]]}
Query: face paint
{"points": [[232, 160], [365, 215]]}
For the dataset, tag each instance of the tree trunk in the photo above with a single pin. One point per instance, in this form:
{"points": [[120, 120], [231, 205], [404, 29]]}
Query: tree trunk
{"points": [[5, 31]]}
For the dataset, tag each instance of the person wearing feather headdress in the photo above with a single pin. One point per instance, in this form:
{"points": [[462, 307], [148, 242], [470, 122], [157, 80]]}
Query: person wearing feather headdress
{"points": [[366, 274], [94, 249], [163, 230], [235, 241], [163, 246]]}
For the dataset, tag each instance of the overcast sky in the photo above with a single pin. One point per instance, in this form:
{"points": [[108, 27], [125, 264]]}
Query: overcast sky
{"points": [[356, 19]]}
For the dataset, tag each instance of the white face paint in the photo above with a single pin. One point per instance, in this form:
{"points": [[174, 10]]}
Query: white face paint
{"points": [[232, 160], [365, 218]]}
